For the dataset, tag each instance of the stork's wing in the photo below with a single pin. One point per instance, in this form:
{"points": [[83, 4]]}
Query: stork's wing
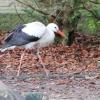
{"points": [[24, 34], [18, 38]]}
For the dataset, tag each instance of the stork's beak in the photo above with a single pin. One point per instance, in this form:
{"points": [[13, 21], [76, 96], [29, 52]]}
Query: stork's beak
{"points": [[61, 33]]}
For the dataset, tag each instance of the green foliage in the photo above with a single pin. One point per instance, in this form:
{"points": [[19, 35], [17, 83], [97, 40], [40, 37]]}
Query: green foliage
{"points": [[88, 22], [90, 25]]}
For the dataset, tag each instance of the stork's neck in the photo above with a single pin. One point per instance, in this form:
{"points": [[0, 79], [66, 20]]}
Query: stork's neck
{"points": [[48, 29]]}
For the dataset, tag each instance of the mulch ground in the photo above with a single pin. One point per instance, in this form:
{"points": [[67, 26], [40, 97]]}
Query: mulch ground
{"points": [[75, 68]]}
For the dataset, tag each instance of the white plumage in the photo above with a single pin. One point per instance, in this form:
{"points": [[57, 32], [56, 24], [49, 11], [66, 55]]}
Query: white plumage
{"points": [[34, 29]]}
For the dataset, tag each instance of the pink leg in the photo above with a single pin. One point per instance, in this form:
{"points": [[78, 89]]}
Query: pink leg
{"points": [[44, 68]]}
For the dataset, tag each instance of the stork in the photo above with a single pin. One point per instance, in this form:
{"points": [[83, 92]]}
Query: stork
{"points": [[33, 35]]}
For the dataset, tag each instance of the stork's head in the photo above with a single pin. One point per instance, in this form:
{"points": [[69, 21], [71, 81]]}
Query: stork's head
{"points": [[53, 27]]}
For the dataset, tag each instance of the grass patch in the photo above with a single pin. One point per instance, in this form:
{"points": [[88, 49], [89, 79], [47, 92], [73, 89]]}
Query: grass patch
{"points": [[9, 21]]}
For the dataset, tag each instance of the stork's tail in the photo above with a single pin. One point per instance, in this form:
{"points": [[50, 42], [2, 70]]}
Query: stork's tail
{"points": [[6, 47], [3, 49]]}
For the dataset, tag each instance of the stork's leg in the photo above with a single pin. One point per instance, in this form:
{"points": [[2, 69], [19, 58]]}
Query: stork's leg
{"points": [[40, 60], [20, 63]]}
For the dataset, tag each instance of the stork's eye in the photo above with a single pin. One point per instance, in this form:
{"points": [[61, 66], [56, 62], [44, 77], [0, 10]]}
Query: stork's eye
{"points": [[55, 27]]}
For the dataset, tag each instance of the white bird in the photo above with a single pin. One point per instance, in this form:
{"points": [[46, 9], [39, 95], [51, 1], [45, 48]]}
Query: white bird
{"points": [[32, 35]]}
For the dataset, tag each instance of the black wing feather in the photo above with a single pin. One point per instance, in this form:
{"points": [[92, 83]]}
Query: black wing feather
{"points": [[17, 29]]}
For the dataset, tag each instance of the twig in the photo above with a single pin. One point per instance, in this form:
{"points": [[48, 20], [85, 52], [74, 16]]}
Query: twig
{"points": [[36, 4], [9, 64], [96, 16], [94, 2], [29, 5], [59, 12], [18, 13]]}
